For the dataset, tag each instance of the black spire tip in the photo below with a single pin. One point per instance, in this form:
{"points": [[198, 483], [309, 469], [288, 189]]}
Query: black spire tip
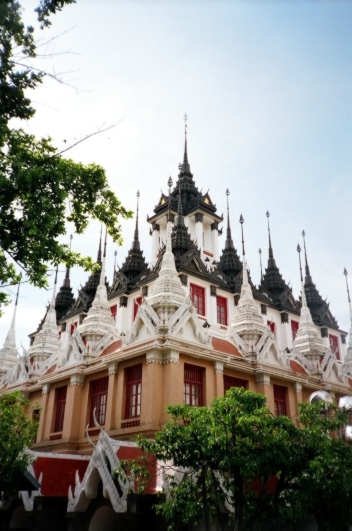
{"points": [[99, 249], [180, 218], [306, 259], [300, 264], [185, 167], [169, 183], [242, 221], [66, 282], [271, 262], [348, 291], [229, 241], [106, 234], [261, 267], [136, 244]]}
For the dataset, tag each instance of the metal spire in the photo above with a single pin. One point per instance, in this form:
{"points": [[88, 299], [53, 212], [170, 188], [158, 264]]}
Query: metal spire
{"points": [[242, 221], [106, 233], [271, 254], [300, 264], [185, 168], [136, 244], [54, 289], [260, 260], [99, 249], [305, 254], [348, 291], [115, 254], [66, 283], [229, 241], [169, 183]]}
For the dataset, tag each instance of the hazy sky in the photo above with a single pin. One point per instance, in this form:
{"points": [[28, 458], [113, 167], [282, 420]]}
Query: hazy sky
{"points": [[267, 86]]}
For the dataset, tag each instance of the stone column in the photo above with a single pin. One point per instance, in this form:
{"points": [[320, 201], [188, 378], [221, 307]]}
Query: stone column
{"points": [[215, 240], [297, 388], [264, 387], [110, 421], [219, 378], [153, 405], [199, 231], [43, 428], [74, 409]]}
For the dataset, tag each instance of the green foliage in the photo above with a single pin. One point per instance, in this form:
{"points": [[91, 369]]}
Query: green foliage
{"points": [[40, 190], [17, 432], [237, 458]]}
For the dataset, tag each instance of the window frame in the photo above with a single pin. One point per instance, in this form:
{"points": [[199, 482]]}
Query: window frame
{"points": [[201, 294], [280, 400], [133, 376], [193, 377], [98, 395], [236, 382], [113, 311], [224, 307], [60, 399]]}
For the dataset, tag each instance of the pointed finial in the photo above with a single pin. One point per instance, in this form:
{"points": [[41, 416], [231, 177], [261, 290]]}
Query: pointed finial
{"points": [[136, 244], [300, 264], [115, 254], [66, 282], [348, 291], [169, 183], [260, 260], [54, 289], [99, 250], [271, 254], [242, 221], [229, 241], [185, 168], [106, 234], [305, 254]]}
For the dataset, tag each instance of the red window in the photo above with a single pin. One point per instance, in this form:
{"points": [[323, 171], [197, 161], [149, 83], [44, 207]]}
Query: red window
{"points": [[60, 407], [221, 309], [113, 310], [280, 394], [133, 391], [198, 298], [271, 325], [137, 303], [334, 345], [294, 329], [193, 385], [73, 327], [231, 381], [98, 395]]}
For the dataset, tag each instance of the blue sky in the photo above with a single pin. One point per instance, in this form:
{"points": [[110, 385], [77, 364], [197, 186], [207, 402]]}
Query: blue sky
{"points": [[267, 87]]}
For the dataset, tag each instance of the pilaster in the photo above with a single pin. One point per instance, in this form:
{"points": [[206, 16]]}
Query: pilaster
{"points": [[264, 387], [173, 381], [199, 231], [43, 430], [219, 378], [74, 409], [111, 398], [152, 400]]}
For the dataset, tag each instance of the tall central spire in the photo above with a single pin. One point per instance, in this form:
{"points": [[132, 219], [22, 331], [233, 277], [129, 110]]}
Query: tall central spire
{"points": [[229, 241], [271, 262], [180, 218], [136, 244], [308, 277], [185, 167]]}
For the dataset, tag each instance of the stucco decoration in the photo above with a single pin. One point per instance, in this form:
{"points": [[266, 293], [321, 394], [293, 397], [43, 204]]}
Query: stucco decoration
{"points": [[47, 341], [19, 372], [9, 352], [28, 497], [103, 460]]}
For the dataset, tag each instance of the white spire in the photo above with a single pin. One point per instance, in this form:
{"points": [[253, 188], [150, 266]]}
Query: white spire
{"points": [[167, 293], [307, 340], [47, 341], [9, 353], [247, 321]]}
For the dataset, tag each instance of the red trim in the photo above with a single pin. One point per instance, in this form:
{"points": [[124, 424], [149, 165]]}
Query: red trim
{"points": [[272, 327], [61, 393], [113, 310], [98, 400], [137, 303], [133, 391], [334, 345], [193, 385], [280, 400], [231, 381], [198, 298], [73, 327], [221, 310], [294, 328]]}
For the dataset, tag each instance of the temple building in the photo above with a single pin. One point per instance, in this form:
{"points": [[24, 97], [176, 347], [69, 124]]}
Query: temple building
{"points": [[104, 364]]}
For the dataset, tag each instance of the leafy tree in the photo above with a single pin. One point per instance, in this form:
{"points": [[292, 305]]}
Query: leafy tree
{"points": [[17, 432], [237, 464], [40, 189]]}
